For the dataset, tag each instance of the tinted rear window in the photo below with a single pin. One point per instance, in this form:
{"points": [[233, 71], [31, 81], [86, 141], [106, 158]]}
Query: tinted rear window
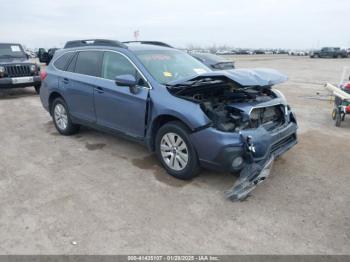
{"points": [[89, 63], [61, 63]]}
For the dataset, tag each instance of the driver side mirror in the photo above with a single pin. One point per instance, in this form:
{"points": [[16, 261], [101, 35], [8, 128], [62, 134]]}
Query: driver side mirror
{"points": [[127, 80]]}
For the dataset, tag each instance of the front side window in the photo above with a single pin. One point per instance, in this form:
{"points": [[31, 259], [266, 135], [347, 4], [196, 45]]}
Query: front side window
{"points": [[115, 64], [89, 63], [11, 51], [169, 65]]}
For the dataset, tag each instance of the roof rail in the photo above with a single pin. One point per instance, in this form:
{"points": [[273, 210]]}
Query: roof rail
{"points": [[94, 42], [149, 43]]}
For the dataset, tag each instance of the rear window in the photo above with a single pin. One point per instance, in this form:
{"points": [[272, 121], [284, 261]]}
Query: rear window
{"points": [[62, 62], [89, 63]]}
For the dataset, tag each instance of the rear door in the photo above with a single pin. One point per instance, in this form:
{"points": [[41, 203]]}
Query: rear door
{"points": [[79, 83], [116, 107]]}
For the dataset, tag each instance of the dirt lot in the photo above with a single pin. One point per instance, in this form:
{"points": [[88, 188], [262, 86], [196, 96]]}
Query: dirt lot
{"points": [[110, 195]]}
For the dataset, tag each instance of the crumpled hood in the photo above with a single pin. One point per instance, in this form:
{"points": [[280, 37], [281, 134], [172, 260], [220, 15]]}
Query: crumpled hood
{"points": [[244, 77], [257, 77]]}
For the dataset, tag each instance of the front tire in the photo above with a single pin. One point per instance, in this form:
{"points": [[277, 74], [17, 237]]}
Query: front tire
{"points": [[176, 152], [61, 118]]}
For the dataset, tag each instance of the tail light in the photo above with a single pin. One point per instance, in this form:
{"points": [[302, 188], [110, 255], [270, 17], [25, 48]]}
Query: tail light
{"points": [[43, 75]]}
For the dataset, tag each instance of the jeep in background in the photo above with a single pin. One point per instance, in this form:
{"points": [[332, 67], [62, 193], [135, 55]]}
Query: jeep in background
{"points": [[15, 68], [329, 52]]}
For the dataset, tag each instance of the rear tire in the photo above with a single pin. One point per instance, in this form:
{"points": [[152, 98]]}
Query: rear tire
{"points": [[176, 152], [61, 118]]}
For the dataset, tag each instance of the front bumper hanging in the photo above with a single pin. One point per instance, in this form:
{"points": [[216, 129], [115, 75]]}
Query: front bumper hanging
{"points": [[251, 175]]}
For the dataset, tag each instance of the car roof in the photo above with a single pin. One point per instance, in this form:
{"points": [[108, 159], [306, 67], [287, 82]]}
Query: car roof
{"points": [[116, 45], [132, 47]]}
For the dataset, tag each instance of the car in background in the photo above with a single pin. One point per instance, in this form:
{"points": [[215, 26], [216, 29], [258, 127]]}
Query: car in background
{"points": [[42, 55], [190, 115], [281, 52], [30, 53], [16, 70], [46, 56], [298, 53], [259, 52], [329, 52], [214, 62], [225, 52], [244, 52], [50, 53]]}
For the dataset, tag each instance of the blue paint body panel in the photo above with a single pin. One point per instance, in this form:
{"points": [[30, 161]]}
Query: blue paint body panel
{"points": [[100, 103]]}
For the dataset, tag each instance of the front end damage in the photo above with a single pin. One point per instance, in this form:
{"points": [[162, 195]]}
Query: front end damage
{"points": [[251, 124], [252, 174]]}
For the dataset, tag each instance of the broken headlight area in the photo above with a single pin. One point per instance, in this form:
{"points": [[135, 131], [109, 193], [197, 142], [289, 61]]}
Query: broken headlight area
{"points": [[244, 110], [233, 108]]}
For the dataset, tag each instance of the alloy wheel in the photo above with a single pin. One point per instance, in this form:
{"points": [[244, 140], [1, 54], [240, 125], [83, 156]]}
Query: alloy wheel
{"points": [[61, 117], [174, 151]]}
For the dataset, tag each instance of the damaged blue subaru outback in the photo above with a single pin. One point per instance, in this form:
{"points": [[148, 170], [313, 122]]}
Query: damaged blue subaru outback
{"points": [[189, 115]]}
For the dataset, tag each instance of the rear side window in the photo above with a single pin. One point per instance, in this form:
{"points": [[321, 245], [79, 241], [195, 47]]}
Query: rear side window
{"points": [[72, 63], [89, 63], [62, 62]]}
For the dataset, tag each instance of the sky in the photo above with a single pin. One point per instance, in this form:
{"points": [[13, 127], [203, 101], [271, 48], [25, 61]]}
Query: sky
{"points": [[292, 24]]}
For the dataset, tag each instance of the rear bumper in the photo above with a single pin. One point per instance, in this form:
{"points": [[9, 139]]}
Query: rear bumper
{"points": [[6, 83], [222, 148]]}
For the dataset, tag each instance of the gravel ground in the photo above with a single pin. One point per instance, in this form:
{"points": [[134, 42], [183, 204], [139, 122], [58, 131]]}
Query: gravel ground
{"points": [[94, 193]]}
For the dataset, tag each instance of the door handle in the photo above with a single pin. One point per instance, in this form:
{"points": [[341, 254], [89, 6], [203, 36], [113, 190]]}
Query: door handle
{"points": [[65, 80], [99, 90]]}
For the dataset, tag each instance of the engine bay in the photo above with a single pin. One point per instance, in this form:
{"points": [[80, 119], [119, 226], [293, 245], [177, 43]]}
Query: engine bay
{"points": [[232, 108]]}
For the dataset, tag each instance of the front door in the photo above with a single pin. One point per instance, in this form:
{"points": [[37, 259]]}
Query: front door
{"points": [[116, 107]]}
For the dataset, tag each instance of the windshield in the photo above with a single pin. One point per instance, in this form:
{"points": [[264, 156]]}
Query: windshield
{"points": [[170, 65], [11, 50]]}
